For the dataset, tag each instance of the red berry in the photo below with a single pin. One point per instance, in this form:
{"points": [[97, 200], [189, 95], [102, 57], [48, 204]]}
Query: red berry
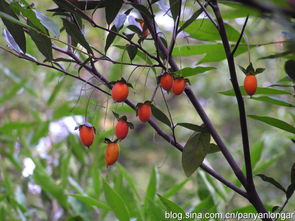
{"points": [[120, 91], [145, 31], [121, 129], [86, 134], [112, 153], [250, 84], [144, 112], [166, 81], [178, 86]]}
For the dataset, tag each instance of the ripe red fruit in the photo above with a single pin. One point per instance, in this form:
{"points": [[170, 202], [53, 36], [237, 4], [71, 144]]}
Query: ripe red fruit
{"points": [[120, 91], [87, 134], [250, 84], [178, 85], [112, 153], [122, 128], [144, 112], [166, 81], [145, 31]]}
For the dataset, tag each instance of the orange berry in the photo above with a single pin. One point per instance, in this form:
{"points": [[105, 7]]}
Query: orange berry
{"points": [[112, 153], [86, 134], [178, 86], [250, 84], [144, 112], [166, 81], [122, 129], [120, 91], [145, 31]]}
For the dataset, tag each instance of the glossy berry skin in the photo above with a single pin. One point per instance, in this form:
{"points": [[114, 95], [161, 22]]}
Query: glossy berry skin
{"points": [[120, 91], [112, 153], [166, 81], [144, 112], [146, 31], [250, 84], [86, 135], [121, 129], [178, 86]]}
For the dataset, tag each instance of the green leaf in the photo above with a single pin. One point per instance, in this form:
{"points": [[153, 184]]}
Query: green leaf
{"points": [[259, 90], [128, 178], [175, 6], [42, 42], [76, 34], [48, 184], [204, 30], [256, 151], [110, 38], [143, 10], [189, 126], [194, 152], [174, 189], [213, 148], [132, 51], [157, 113], [116, 203], [11, 92], [273, 100], [172, 207], [187, 72], [55, 92], [190, 20], [90, 201], [152, 187], [213, 52], [290, 69], [8, 127], [274, 122], [262, 165], [237, 10], [112, 8], [64, 169], [272, 181], [48, 23], [9, 18]]}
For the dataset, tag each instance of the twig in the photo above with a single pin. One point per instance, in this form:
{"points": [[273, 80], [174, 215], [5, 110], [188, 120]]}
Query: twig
{"points": [[240, 37], [208, 15]]}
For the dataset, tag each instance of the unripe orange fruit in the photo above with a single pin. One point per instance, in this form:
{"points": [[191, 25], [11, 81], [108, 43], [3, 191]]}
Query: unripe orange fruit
{"points": [[112, 153], [145, 31], [144, 112], [120, 91], [178, 85], [250, 84], [166, 81], [86, 134], [122, 128]]}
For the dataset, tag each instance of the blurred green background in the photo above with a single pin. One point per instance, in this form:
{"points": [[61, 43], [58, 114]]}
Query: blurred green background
{"points": [[43, 161]]}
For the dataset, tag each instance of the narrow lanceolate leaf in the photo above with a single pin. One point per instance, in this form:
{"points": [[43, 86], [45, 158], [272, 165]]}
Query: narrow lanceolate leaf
{"points": [[274, 122], [90, 201], [272, 181], [290, 190], [112, 8], [172, 207], [15, 30], [260, 90], [174, 189], [157, 113], [256, 151], [116, 203], [273, 100], [132, 51], [194, 152], [143, 10], [175, 6], [48, 23], [152, 187], [190, 20], [76, 34], [213, 148], [42, 42], [187, 72], [189, 126], [110, 38]]}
